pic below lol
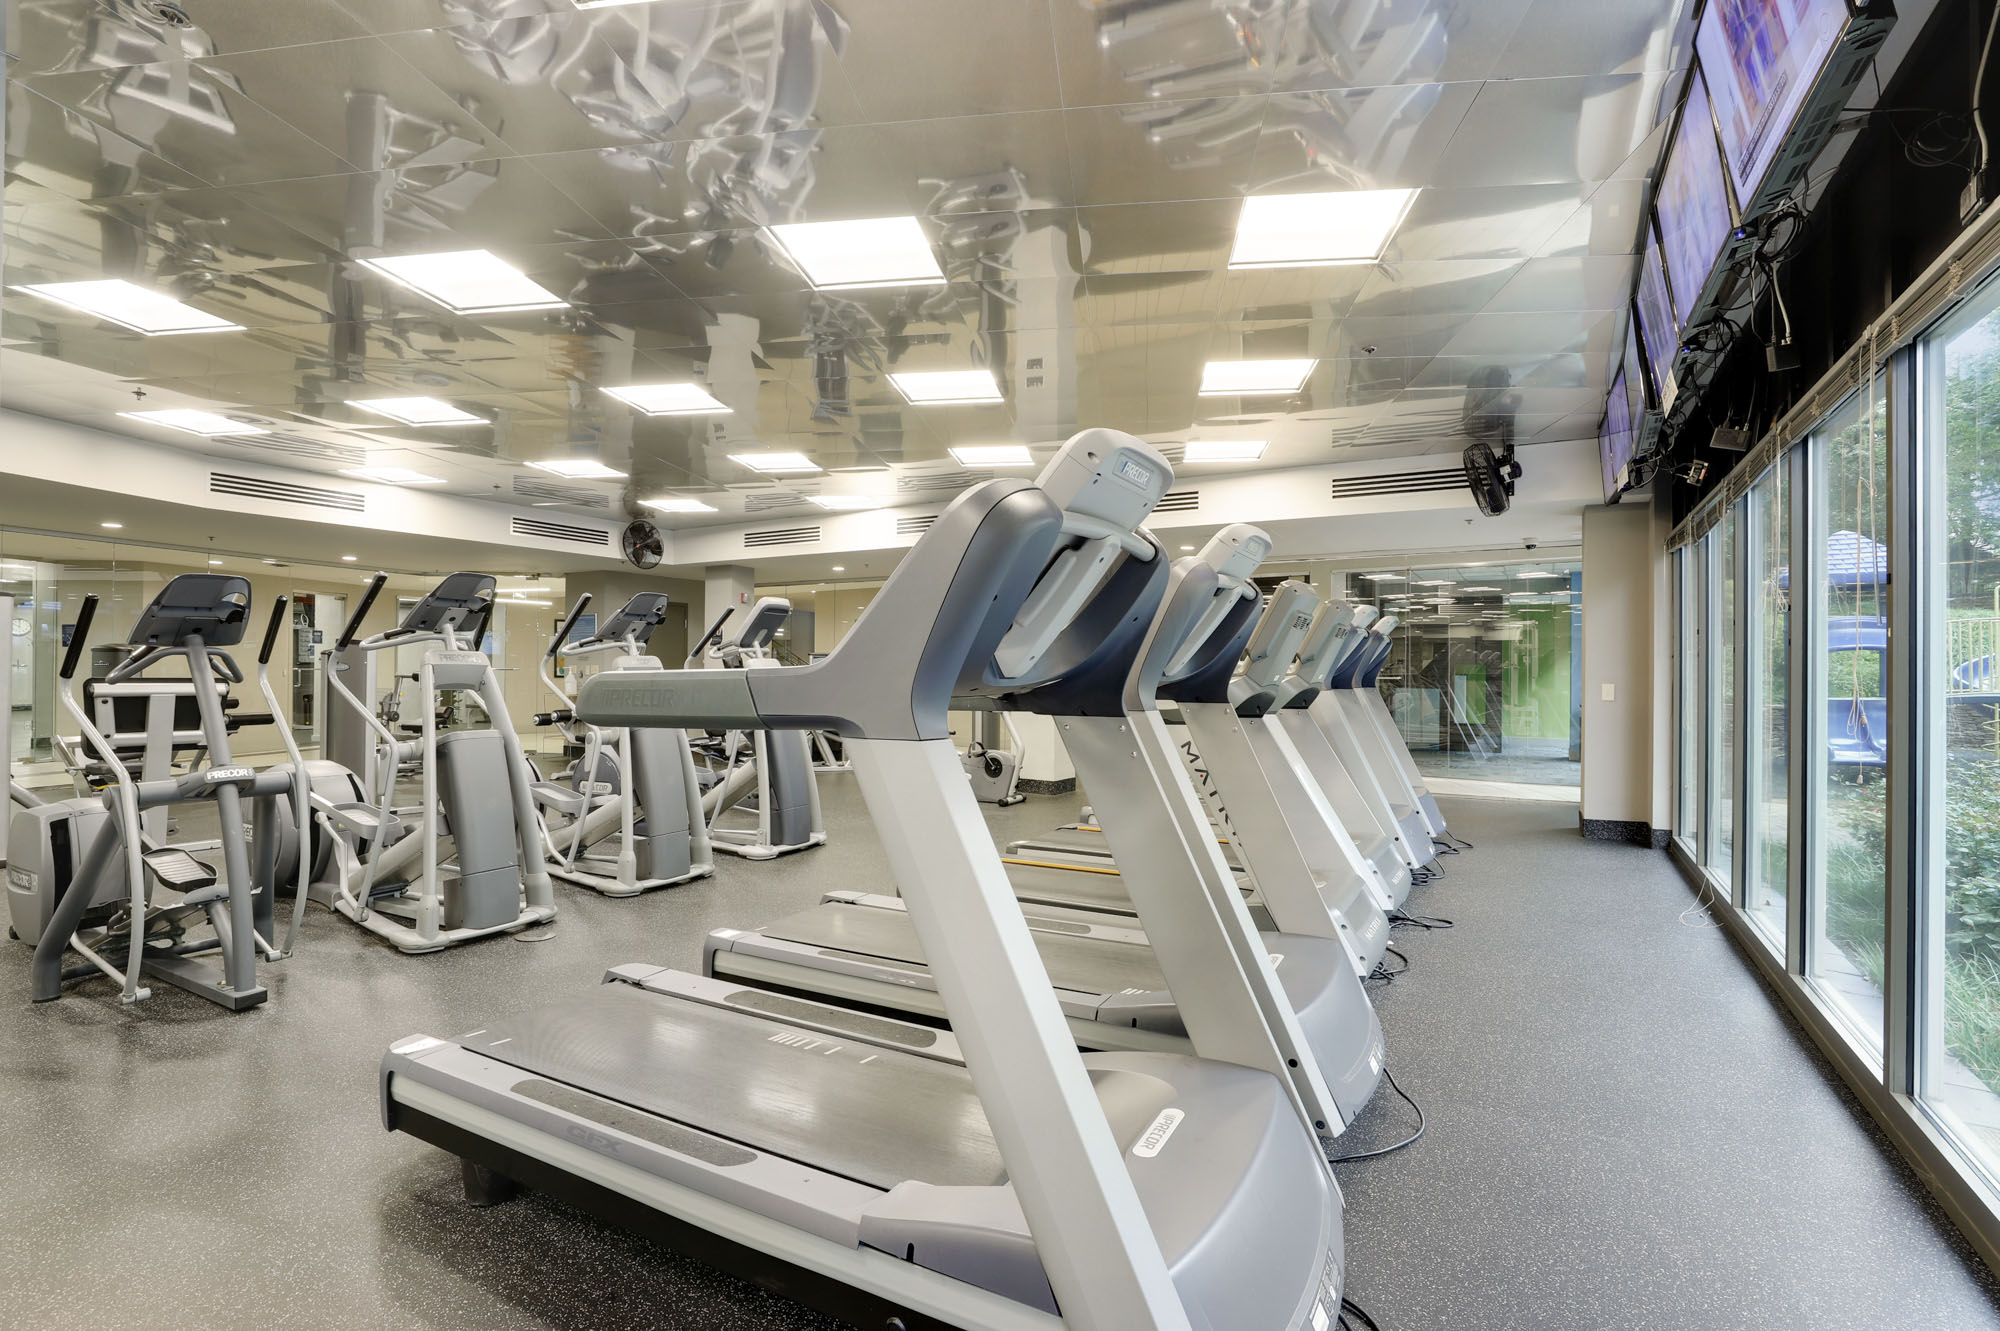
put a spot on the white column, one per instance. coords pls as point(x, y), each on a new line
point(1620, 647)
point(725, 587)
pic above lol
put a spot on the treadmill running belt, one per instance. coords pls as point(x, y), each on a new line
point(768, 1086)
point(1080, 964)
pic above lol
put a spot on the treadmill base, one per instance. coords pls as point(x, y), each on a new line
point(768, 1273)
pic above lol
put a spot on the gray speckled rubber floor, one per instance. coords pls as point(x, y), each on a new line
point(1624, 1131)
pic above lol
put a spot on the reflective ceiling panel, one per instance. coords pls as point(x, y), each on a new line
point(1078, 167)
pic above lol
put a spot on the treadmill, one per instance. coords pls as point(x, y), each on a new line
point(1311, 877)
point(861, 947)
point(1330, 747)
point(1365, 703)
point(990, 1177)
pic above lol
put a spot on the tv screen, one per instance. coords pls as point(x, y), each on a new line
point(1615, 438)
point(1761, 58)
point(1637, 385)
point(1693, 203)
point(1658, 329)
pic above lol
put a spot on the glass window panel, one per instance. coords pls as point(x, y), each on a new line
point(1849, 790)
point(1693, 682)
point(1768, 769)
point(1721, 712)
point(1962, 1074)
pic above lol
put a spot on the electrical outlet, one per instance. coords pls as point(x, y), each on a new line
point(1970, 200)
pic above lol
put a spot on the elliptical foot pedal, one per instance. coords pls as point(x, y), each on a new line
point(179, 870)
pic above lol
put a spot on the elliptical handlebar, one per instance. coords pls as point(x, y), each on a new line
point(271, 630)
point(562, 634)
point(375, 585)
point(78, 632)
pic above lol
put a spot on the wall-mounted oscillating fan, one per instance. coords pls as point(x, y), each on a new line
point(643, 544)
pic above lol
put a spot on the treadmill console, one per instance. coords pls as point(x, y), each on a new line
point(640, 617)
point(460, 598)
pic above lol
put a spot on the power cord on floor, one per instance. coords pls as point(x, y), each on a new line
point(1698, 908)
point(1353, 1317)
point(1459, 842)
point(1425, 922)
point(1389, 1077)
point(1382, 973)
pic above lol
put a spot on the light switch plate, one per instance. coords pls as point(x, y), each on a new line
point(1607, 692)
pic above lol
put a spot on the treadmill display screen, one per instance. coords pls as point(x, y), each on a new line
point(1761, 58)
point(1693, 204)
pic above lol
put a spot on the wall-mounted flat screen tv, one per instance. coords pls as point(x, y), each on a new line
point(1761, 58)
point(1658, 328)
point(1615, 439)
point(1693, 203)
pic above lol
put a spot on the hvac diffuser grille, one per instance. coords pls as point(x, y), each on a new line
point(764, 501)
point(1178, 501)
point(915, 526)
point(755, 540)
point(284, 492)
point(559, 531)
point(546, 493)
point(1399, 483)
point(298, 446)
point(932, 482)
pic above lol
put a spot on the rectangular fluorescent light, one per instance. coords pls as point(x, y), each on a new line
point(1317, 230)
point(993, 455)
point(189, 421)
point(770, 463)
point(923, 387)
point(846, 503)
point(676, 504)
point(1241, 378)
point(669, 399)
point(131, 306)
point(578, 469)
point(871, 252)
point(1469, 590)
point(1224, 450)
point(466, 281)
point(419, 411)
point(394, 476)
point(1384, 577)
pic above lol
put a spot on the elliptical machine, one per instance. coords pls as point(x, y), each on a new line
point(772, 767)
point(390, 876)
point(626, 815)
point(82, 871)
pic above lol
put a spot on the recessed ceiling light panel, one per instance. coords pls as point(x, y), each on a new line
point(419, 411)
point(393, 476)
point(1317, 230)
point(669, 399)
point(1249, 378)
point(774, 463)
point(132, 306)
point(846, 503)
point(870, 252)
point(993, 455)
point(578, 469)
point(677, 504)
point(190, 421)
point(931, 387)
point(1224, 450)
point(466, 281)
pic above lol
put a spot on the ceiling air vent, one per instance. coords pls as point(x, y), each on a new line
point(1399, 483)
point(298, 446)
point(284, 492)
point(1179, 501)
point(559, 531)
point(758, 540)
point(543, 492)
point(763, 501)
point(931, 482)
point(915, 526)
